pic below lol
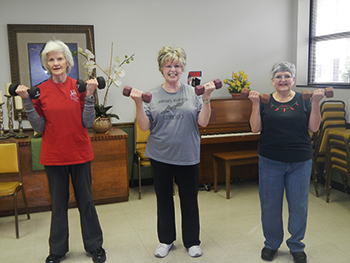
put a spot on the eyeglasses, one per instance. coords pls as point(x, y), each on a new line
point(286, 77)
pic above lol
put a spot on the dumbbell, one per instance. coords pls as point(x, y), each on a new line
point(146, 97)
point(199, 89)
point(81, 85)
point(263, 98)
point(34, 92)
point(329, 93)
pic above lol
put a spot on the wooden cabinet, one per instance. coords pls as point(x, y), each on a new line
point(110, 180)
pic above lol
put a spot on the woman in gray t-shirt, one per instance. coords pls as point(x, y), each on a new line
point(173, 146)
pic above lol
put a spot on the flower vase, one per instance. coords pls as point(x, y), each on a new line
point(101, 125)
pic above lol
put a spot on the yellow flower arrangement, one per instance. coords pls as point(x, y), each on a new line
point(238, 82)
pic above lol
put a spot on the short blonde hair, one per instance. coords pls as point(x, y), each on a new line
point(175, 54)
point(58, 46)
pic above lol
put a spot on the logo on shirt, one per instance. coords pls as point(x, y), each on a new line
point(74, 96)
point(283, 108)
point(172, 105)
point(172, 108)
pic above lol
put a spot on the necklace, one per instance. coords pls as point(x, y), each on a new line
point(277, 96)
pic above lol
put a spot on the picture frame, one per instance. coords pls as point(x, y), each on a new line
point(23, 36)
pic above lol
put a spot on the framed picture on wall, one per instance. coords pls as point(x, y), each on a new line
point(38, 73)
point(26, 42)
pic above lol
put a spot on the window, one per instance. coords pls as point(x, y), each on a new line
point(329, 56)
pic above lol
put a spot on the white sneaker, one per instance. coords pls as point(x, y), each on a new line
point(162, 250)
point(195, 251)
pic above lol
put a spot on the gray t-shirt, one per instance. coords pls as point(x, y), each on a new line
point(174, 137)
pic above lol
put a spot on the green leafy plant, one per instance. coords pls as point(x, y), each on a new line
point(101, 112)
point(238, 82)
point(113, 75)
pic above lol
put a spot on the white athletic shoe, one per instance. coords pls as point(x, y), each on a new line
point(162, 250)
point(195, 251)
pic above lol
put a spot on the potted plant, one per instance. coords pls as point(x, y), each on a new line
point(238, 82)
point(113, 75)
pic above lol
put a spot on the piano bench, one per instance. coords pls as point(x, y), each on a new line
point(232, 159)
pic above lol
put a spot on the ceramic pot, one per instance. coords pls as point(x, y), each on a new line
point(236, 95)
point(102, 125)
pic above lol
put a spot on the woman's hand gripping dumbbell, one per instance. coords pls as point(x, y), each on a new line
point(15, 89)
point(263, 98)
point(146, 97)
point(328, 92)
point(81, 84)
point(199, 89)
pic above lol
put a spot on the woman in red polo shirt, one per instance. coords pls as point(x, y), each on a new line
point(63, 115)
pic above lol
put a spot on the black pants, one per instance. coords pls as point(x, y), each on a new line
point(187, 179)
point(58, 177)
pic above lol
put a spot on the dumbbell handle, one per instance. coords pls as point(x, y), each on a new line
point(329, 93)
point(146, 97)
point(199, 89)
point(34, 92)
point(81, 85)
point(263, 98)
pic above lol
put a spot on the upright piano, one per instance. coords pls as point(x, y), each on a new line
point(228, 130)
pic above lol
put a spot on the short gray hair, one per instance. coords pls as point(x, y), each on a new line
point(58, 46)
point(283, 66)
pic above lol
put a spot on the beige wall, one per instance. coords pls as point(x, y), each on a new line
point(219, 37)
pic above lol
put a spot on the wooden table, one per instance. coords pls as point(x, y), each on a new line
point(110, 177)
point(232, 159)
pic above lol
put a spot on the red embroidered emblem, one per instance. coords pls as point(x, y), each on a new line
point(283, 108)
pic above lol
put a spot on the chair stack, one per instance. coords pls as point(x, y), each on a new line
point(139, 158)
point(333, 119)
point(338, 159)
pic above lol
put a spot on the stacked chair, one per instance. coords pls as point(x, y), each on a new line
point(333, 119)
point(338, 159)
point(139, 158)
point(329, 108)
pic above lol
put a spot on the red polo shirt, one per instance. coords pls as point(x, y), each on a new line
point(65, 140)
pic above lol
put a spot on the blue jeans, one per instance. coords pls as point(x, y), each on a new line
point(274, 177)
